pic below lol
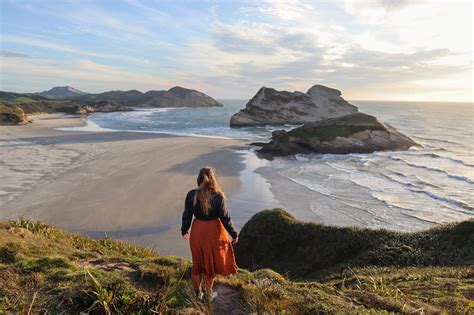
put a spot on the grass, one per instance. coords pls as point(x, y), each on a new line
point(329, 129)
point(12, 114)
point(21, 99)
point(274, 239)
point(44, 269)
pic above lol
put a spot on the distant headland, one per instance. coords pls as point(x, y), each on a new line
point(65, 99)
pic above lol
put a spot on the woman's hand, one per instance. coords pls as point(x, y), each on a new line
point(235, 240)
point(186, 236)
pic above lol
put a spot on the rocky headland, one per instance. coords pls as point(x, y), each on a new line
point(177, 97)
point(68, 100)
point(272, 107)
point(174, 97)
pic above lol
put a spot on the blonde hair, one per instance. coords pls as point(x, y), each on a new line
point(207, 184)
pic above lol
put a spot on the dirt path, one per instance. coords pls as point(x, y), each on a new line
point(228, 301)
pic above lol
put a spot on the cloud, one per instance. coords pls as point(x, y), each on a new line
point(244, 37)
point(83, 74)
point(12, 54)
point(288, 10)
point(231, 49)
point(46, 44)
point(378, 59)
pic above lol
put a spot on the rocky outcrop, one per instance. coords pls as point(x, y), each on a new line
point(355, 133)
point(272, 107)
point(12, 115)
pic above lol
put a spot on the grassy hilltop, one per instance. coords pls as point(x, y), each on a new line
point(310, 250)
point(46, 269)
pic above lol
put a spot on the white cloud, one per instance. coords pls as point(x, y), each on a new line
point(83, 74)
point(46, 44)
point(361, 47)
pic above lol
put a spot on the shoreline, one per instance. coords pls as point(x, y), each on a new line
point(130, 185)
point(125, 171)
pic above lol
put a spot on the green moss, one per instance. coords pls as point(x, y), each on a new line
point(329, 129)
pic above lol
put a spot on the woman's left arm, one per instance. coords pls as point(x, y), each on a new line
point(225, 218)
point(187, 215)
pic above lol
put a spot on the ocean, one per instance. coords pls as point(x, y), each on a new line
point(405, 190)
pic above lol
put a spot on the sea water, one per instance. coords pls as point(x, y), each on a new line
point(403, 190)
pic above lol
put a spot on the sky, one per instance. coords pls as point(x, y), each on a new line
point(369, 49)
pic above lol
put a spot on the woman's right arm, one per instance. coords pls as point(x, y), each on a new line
point(187, 214)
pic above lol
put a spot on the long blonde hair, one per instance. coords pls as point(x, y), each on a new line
point(207, 184)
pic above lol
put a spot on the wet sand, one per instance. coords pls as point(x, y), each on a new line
point(128, 185)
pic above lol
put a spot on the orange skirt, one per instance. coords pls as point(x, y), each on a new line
point(211, 249)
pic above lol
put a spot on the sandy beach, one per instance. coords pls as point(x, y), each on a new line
point(124, 184)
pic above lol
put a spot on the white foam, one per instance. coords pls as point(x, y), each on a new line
point(88, 127)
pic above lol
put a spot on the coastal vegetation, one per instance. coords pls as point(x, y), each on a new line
point(307, 250)
point(322, 270)
point(12, 115)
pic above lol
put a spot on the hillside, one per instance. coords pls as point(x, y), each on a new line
point(174, 97)
point(15, 98)
point(274, 239)
point(66, 99)
point(62, 92)
point(46, 269)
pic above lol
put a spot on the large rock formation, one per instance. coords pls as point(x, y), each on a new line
point(12, 115)
point(272, 107)
point(355, 133)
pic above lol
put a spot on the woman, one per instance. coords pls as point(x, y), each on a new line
point(211, 249)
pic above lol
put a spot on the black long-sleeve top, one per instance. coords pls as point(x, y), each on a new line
point(218, 209)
